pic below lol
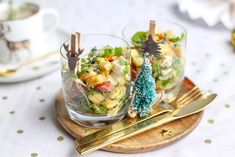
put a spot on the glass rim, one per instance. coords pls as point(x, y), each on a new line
point(160, 20)
point(96, 34)
point(5, 4)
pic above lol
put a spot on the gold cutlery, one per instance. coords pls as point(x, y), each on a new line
point(146, 124)
point(233, 38)
point(191, 95)
point(191, 108)
point(121, 125)
point(10, 71)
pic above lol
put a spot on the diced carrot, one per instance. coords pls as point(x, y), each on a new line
point(138, 69)
point(110, 58)
point(161, 36)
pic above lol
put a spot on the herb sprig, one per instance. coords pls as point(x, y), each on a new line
point(177, 39)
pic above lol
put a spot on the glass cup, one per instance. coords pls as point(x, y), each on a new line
point(97, 94)
point(168, 67)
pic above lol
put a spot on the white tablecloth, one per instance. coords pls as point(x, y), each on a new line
point(28, 125)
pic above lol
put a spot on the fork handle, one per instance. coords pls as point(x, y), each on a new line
point(37, 59)
point(134, 130)
point(122, 125)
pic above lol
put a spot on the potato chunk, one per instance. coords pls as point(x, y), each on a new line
point(87, 74)
point(115, 96)
point(108, 103)
point(166, 50)
point(178, 51)
point(138, 61)
point(94, 80)
point(136, 58)
point(96, 98)
point(134, 53)
point(105, 65)
point(170, 34)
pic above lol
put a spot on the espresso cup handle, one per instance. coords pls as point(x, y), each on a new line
point(50, 19)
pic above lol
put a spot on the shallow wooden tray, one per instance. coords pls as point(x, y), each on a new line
point(153, 139)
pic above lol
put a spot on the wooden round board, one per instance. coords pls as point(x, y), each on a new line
point(153, 139)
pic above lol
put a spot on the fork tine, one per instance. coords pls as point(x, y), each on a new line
point(190, 94)
point(197, 95)
point(76, 142)
point(186, 94)
point(192, 99)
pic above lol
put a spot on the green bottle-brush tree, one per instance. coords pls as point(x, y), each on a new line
point(144, 90)
point(144, 87)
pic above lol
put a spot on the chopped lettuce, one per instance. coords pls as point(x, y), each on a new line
point(138, 38)
point(99, 109)
point(155, 68)
point(166, 83)
point(126, 70)
point(126, 64)
point(177, 39)
point(123, 62)
point(109, 51)
point(84, 68)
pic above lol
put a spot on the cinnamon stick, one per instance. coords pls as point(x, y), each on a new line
point(78, 35)
point(152, 26)
point(73, 45)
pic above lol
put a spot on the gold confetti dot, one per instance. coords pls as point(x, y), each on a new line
point(222, 65)
point(42, 118)
point(207, 55)
point(227, 106)
point(41, 100)
point(12, 112)
point(208, 141)
point(60, 138)
point(198, 71)
point(226, 73)
point(4, 98)
point(53, 62)
point(210, 121)
point(34, 155)
point(215, 80)
point(194, 63)
point(36, 67)
point(38, 88)
point(20, 131)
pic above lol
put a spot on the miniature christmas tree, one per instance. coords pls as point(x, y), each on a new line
point(144, 90)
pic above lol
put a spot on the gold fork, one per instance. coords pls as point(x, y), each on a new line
point(10, 71)
point(189, 96)
point(186, 98)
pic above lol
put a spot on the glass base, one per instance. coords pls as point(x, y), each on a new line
point(94, 122)
point(171, 94)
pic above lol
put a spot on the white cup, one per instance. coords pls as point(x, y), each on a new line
point(22, 36)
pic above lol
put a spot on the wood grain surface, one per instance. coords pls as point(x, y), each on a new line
point(153, 139)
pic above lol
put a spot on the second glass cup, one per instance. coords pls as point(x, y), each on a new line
point(168, 67)
point(97, 94)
